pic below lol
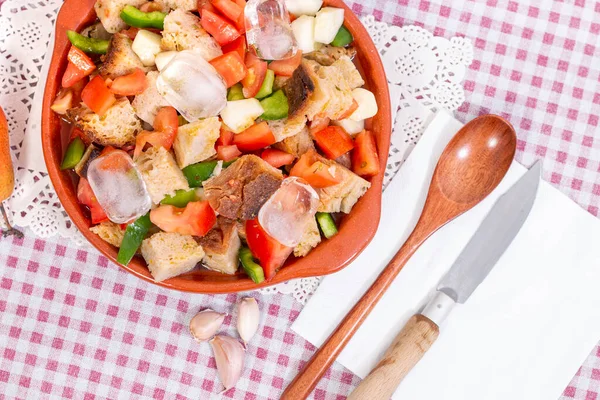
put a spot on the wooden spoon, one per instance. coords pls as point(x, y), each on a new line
point(7, 179)
point(471, 166)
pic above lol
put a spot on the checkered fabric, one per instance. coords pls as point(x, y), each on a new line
point(73, 325)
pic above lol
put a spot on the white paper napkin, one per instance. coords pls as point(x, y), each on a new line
point(524, 332)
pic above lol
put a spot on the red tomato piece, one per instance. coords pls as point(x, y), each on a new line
point(314, 171)
point(86, 196)
point(228, 153)
point(79, 66)
point(286, 67)
point(365, 159)
point(277, 158)
point(241, 3)
point(72, 75)
point(257, 70)
point(97, 97)
point(318, 124)
point(196, 219)
point(238, 45)
point(167, 121)
point(349, 111)
point(226, 137)
point(205, 5)
point(269, 252)
point(154, 138)
point(131, 33)
point(254, 138)
point(231, 67)
point(334, 141)
point(228, 8)
point(130, 85)
point(219, 28)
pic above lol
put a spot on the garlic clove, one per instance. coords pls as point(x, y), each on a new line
point(248, 318)
point(206, 324)
point(229, 355)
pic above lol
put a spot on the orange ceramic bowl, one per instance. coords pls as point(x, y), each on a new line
point(356, 229)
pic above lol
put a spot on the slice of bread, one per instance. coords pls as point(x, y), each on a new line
point(310, 239)
point(195, 142)
point(171, 254)
point(109, 232)
point(147, 104)
point(285, 128)
point(185, 5)
point(182, 31)
point(109, 13)
point(349, 71)
point(118, 127)
point(120, 59)
point(161, 173)
point(222, 245)
point(298, 144)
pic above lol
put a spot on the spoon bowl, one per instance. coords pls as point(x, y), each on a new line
point(470, 168)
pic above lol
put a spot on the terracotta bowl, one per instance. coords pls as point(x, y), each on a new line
point(356, 230)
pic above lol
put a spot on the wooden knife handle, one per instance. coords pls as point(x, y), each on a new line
point(406, 351)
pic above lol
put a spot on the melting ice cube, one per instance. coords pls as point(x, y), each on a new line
point(119, 187)
point(268, 30)
point(288, 211)
point(193, 86)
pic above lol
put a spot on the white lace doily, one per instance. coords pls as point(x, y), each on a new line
point(424, 72)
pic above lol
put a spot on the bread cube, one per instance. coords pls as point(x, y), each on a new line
point(185, 5)
point(195, 142)
point(109, 232)
point(118, 127)
point(182, 31)
point(310, 239)
point(221, 246)
point(285, 128)
point(298, 144)
point(109, 13)
point(171, 254)
point(161, 173)
point(120, 59)
point(148, 103)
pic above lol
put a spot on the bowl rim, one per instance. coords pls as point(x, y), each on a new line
point(356, 231)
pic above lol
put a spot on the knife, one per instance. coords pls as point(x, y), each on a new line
point(472, 266)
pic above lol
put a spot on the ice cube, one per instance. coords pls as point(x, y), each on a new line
point(288, 211)
point(119, 187)
point(193, 86)
point(268, 30)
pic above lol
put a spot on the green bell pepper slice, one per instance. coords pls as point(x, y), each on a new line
point(254, 270)
point(74, 154)
point(275, 106)
point(343, 38)
point(267, 86)
point(88, 45)
point(134, 236)
point(327, 225)
point(181, 198)
point(139, 19)
point(236, 92)
point(198, 173)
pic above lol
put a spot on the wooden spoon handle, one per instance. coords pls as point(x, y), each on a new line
point(406, 351)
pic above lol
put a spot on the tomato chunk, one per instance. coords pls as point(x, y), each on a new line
point(277, 158)
point(238, 45)
point(228, 8)
point(254, 138)
point(257, 70)
point(167, 121)
point(316, 172)
point(286, 67)
point(166, 124)
point(86, 196)
point(270, 253)
point(226, 137)
point(205, 5)
point(196, 219)
point(79, 66)
point(219, 28)
point(130, 85)
point(231, 67)
point(334, 141)
point(365, 159)
point(97, 96)
point(318, 124)
point(228, 153)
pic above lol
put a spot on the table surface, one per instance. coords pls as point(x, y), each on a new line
point(74, 325)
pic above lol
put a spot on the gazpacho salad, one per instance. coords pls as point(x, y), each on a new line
point(224, 133)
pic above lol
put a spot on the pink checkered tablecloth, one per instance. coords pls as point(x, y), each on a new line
point(74, 325)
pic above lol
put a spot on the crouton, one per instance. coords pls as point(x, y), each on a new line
point(343, 196)
point(161, 173)
point(195, 141)
point(182, 31)
point(109, 13)
point(171, 254)
point(349, 72)
point(298, 144)
point(285, 128)
point(279, 82)
point(110, 232)
point(221, 247)
point(328, 54)
point(147, 104)
point(118, 127)
point(120, 59)
point(310, 239)
point(185, 5)
point(242, 189)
